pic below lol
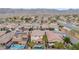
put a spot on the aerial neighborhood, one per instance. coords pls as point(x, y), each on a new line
point(36, 31)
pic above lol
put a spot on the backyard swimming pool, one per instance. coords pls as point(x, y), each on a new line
point(39, 46)
point(17, 46)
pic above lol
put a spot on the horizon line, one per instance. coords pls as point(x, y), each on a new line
point(42, 8)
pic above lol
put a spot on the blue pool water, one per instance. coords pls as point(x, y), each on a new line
point(38, 46)
point(17, 46)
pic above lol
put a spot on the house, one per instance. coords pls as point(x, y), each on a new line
point(6, 38)
point(66, 30)
point(75, 33)
point(53, 37)
point(37, 35)
point(45, 26)
point(2, 33)
point(20, 38)
point(54, 26)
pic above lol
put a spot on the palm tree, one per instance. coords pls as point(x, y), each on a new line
point(45, 39)
point(31, 44)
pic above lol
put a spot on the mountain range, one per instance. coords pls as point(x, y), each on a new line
point(38, 11)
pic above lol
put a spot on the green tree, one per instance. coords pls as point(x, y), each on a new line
point(22, 18)
point(67, 40)
point(31, 44)
point(69, 46)
point(58, 45)
point(76, 46)
point(73, 47)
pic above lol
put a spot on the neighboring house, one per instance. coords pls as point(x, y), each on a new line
point(53, 37)
point(65, 30)
point(75, 33)
point(54, 26)
point(6, 38)
point(2, 33)
point(20, 38)
point(37, 35)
